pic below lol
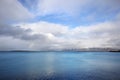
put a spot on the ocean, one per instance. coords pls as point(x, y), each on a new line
point(60, 65)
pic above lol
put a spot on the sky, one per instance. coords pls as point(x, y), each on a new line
point(59, 24)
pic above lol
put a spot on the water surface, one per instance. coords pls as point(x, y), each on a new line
point(59, 66)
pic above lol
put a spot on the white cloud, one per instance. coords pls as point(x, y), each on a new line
point(75, 7)
point(58, 6)
point(46, 27)
point(12, 10)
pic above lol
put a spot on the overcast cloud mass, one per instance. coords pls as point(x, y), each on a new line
point(59, 24)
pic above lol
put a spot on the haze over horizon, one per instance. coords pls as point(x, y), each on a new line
point(59, 24)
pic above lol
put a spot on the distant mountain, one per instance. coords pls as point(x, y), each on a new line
point(95, 49)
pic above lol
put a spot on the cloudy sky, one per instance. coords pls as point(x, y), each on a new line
point(59, 24)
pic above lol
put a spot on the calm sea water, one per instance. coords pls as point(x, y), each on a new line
point(59, 66)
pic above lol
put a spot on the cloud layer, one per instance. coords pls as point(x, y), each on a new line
point(59, 37)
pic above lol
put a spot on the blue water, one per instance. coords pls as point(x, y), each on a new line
point(59, 66)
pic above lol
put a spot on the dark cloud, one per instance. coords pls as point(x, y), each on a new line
point(18, 32)
point(9, 43)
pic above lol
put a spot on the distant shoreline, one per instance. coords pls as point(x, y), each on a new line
point(57, 51)
point(69, 50)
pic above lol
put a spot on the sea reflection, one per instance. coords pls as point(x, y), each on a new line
point(40, 65)
point(49, 61)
